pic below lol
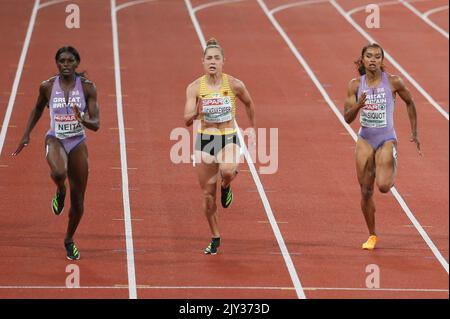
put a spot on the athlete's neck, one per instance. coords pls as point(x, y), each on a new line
point(214, 80)
point(372, 77)
point(67, 79)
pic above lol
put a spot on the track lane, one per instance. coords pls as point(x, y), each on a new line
point(433, 167)
point(31, 237)
point(170, 231)
point(322, 235)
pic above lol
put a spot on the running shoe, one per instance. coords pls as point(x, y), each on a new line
point(58, 202)
point(72, 251)
point(370, 243)
point(226, 196)
point(212, 247)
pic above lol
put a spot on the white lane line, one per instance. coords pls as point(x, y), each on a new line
point(194, 20)
point(381, 4)
point(435, 10)
point(131, 3)
point(420, 229)
point(307, 69)
point(392, 60)
point(287, 258)
point(23, 55)
point(232, 288)
point(379, 289)
point(214, 3)
point(333, 107)
point(50, 3)
point(295, 4)
point(308, 2)
point(424, 18)
point(123, 158)
point(266, 222)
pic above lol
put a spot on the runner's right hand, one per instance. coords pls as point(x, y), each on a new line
point(24, 142)
point(415, 139)
point(362, 100)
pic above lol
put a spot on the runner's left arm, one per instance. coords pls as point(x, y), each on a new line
point(405, 94)
point(242, 93)
point(91, 119)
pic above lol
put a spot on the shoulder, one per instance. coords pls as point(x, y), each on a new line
point(88, 86)
point(47, 85)
point(354, 84)
point(87, 83)
point(396, 81)
point(196, 82)
point(194, 86)
point(236, 84)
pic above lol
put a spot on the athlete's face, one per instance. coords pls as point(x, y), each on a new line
point(66, 64)
point(213, 61)
point(373, 59)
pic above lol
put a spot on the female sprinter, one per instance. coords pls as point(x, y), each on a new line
point(72, 100)
point(211, 99)
point(373, 96)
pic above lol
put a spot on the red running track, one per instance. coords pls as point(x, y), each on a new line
point(314, 194)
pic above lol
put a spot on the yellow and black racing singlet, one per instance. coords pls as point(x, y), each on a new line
point(217, 106)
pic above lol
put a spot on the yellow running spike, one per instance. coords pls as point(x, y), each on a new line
point(370, 243)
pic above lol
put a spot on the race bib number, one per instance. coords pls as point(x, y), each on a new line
point(373, 114)
point(67, 126)
point(217, 110)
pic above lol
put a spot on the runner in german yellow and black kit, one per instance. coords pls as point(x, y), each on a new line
point(211, 99)
point(217, 107)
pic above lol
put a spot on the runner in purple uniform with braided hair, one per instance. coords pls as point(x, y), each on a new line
point(72, 100)
point(372, 95)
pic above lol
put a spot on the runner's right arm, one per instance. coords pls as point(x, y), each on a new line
point(352, 106)
point(191, 109)
point(35, 115)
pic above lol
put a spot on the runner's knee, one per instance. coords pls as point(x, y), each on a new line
point(77, 200)
point(76, 210)
point(227, 173)
point(59, 174)
point(384, 187)
point(366, 192)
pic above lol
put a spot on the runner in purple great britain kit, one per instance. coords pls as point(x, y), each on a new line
point(72, 100)
point(372, 95)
